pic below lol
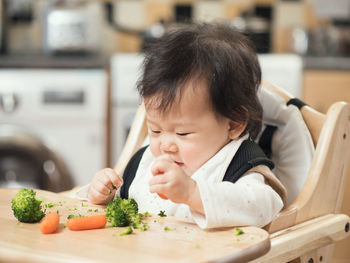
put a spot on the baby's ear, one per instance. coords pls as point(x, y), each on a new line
point(236, 129)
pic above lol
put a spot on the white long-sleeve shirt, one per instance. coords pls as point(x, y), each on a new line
point(249, 201)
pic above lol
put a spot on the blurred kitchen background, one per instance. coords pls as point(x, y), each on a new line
point(68, 70)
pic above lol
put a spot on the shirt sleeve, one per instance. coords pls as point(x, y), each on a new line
point(82, 193)
point(249, 201)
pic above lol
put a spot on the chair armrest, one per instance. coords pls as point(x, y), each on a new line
point(300, 239)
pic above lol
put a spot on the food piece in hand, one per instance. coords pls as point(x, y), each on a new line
point(50, 223)
point(162, 196)
point(87, 222)
point(26, 208)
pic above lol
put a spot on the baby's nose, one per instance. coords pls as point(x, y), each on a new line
point(168, 147)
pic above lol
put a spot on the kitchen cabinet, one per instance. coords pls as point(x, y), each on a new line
point(321, 88)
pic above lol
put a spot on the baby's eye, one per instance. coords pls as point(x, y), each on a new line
point(182, 133)
point(155, 131)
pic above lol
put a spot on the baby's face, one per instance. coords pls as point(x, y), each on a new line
point(190, 132)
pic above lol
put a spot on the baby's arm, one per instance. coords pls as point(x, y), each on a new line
point(249, 201)
point(101, 189)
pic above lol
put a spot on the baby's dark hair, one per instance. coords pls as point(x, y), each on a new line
point(217, 53)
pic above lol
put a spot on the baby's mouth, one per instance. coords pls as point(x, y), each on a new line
point(179, 163)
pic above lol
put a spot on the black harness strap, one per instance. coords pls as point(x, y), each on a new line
point(130, 172)
point(248, 156)
point(265, 140)
point(296, 102)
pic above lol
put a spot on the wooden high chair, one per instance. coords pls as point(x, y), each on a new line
point(306, 230)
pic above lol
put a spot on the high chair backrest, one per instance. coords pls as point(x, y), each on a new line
point(322, 191)
point(134, 141)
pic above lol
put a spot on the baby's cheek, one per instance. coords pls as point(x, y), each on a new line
point(193, 160)
point(155, 150)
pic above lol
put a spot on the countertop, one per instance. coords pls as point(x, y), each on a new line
point(45, 61)
point(326, 63)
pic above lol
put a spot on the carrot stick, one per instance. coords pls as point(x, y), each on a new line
point(87, 222)
point(162, 196)
point(50, 223)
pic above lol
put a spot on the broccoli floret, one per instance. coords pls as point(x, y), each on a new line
point(136, 218)
point(127, 231)
point(238, 231)
point(140, 226)
point(146, 214)
point(129, 206)
point(166, 228)
point(124, 212)
point(26, 208)
point(162, 213)
point(121, 212)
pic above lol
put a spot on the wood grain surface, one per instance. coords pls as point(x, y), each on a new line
point(23, 242)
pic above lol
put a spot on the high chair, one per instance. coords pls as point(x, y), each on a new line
point(306, 230)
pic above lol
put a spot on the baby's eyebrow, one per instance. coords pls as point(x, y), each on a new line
point(176, 122)
point(152, 120)
point(182, 123)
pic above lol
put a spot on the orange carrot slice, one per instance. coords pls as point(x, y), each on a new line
point(50, 223)
point(162, 196)
point(87, 222)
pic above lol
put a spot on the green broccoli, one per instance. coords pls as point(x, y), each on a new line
point(122, 212)
point(162, 213)
point(127, 231)
point(26, 208)
point(166, 228)
point(142, 226)
point(146, 214)
point(238, 231)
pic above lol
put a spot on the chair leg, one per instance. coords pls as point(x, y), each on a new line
point(321, 255)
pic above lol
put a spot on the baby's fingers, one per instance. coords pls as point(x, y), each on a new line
point(115, 179)
point(159, 179)
point(101, 187)
point(160, 166)
point(158, 188)
point(97, 197)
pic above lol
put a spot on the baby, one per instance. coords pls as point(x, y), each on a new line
point(199, 87)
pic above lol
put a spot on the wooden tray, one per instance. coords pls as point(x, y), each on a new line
point(23, 242)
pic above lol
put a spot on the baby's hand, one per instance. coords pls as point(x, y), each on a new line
point(103, 186)
point(170, 180)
